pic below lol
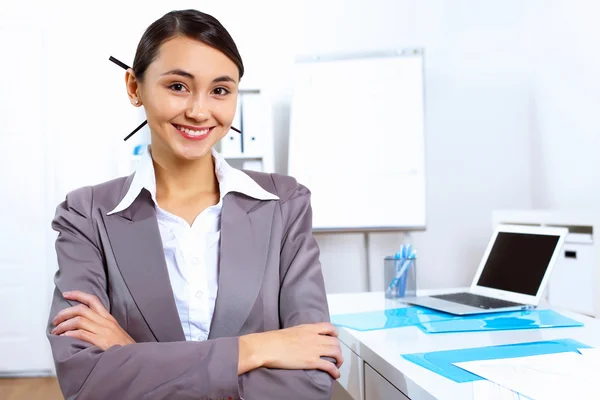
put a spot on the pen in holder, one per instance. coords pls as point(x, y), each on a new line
point(400, 274)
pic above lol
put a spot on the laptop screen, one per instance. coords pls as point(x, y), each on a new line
point(518, 262)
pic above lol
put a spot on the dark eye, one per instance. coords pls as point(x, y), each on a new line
point(178, 87)
point(221, 91)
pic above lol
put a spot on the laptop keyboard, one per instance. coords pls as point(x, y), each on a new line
point(474, 300)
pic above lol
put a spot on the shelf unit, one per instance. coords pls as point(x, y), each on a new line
point(252, 149)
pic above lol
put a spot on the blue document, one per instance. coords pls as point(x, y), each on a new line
point(534, 319)
point(387, 319)
point(431, 321)
point(441, 362)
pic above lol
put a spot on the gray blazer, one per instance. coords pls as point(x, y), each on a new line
point(269, 278)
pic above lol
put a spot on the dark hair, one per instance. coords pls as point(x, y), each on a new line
point(189, 23)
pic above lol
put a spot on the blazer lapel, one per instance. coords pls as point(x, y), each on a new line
point(137, 246)
point(245, 238)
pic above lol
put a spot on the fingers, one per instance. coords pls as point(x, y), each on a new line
point(88, 337)
point(80, 310)
point(325, 328)
point(329, 341)
point(333, 351)
point(88, 299)
point(82, 335)
point(328, 367)
point(75, 324)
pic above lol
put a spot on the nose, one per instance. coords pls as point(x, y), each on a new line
point(198, 109)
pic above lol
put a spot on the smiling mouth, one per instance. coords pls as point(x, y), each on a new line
point(196, 133)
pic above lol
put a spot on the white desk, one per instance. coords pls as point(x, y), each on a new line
point(375, 370)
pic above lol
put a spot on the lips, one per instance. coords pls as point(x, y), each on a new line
point(193, 133)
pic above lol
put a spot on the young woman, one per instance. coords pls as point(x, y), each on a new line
point(190, 279)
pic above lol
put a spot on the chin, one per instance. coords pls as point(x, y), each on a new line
point(192, 153)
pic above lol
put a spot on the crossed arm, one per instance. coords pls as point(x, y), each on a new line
point(96, 358)
point(298, 347)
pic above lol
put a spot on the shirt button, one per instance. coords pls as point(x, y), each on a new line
point(195, 260)
point(198, 294)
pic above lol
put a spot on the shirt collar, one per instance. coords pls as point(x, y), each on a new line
point(230, 180)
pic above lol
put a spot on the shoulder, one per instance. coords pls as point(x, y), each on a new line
point(105, 195)
point(283, 186)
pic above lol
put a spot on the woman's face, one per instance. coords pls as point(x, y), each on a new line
point(189, 94)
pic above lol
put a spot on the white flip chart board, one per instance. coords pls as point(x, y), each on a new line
point(357, 140)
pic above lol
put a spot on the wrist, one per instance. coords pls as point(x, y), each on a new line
point(250, 354)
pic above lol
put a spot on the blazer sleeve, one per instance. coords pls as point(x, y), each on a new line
point(176, 370)
point(302, 300)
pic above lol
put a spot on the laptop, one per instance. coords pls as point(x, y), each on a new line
point(512, 274)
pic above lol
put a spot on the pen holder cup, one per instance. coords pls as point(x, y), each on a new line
point(400, 276)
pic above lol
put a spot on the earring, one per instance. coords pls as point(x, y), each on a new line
point(137, 102)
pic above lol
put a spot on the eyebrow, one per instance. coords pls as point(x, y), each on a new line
point(224, 78)
point(185, 74)
point(179, 72)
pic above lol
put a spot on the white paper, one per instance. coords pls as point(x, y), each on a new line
point(591, 355)
point(486, 390)
point(362, 154)
point(553, 376)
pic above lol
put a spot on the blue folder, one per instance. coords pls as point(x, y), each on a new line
point(534, 319)
point(387, 319)
point(431, 321)
point(441, 362)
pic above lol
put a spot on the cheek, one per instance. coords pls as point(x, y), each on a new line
point(161, 108)
point(224, 111)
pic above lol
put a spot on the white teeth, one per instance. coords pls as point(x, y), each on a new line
point(191, 132)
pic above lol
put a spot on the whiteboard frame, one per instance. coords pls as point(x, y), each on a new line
point(402, 52)
point(406, 52)
point(372, 229)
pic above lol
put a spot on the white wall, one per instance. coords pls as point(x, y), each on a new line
point(566, 118)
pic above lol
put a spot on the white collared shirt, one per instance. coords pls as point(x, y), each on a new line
point(192, 252)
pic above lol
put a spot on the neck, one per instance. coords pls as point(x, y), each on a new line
point(181, 179)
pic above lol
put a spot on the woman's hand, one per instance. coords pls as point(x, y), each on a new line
point(89, 322)
point(298, 347)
